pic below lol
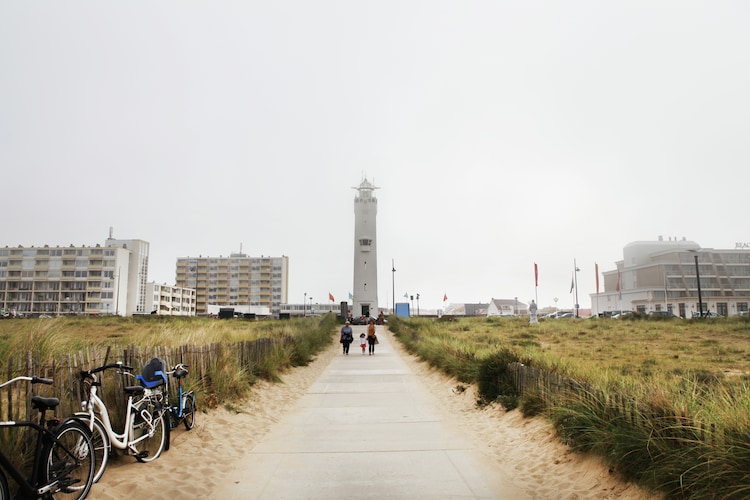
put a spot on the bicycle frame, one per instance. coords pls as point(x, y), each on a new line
point(30, 487)
point(95, 408)
point(178, 411)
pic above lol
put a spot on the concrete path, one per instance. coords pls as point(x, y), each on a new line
point(367, 428)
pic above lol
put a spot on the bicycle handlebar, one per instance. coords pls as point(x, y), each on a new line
point(33, 380)
point(178, 366)
point(118, 365)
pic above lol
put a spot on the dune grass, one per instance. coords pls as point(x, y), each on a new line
point(686, 433)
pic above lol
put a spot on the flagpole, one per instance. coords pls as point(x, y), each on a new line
point(596, 269)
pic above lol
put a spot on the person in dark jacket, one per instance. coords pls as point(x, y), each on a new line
point(346, 337)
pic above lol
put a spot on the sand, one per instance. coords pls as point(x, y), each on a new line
point(525, 449)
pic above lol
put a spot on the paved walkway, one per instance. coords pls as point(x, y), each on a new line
point(366, 428)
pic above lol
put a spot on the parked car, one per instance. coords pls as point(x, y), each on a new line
point(362, 320)
point(663, 314)
point(623, 315)
point(707, 314)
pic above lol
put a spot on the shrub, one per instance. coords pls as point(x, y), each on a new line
point(494, 380)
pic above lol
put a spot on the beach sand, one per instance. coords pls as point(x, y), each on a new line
point(525, 449)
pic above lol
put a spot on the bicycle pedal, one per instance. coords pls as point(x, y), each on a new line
point(65, 484)
point(142, 455)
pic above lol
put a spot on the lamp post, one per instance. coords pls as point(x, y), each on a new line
point(575, 276)
point(393, 284)
point(698, 279)
point(515, 308)
point(304, 306)
point(417, 304)
point(311, 307)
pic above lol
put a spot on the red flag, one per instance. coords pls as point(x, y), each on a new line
point(330, 297)
point(536, 275)
point(596, 266)
point(445, 297)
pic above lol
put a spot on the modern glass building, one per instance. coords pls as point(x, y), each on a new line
point(677, 276)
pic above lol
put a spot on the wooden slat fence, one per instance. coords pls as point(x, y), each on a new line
point(15, 400)
point(554, 389)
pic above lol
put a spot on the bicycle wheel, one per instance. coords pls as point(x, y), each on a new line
point(70, 460)
point(4, 491)
point(152, 437)
point(188, 413)
point(102, 445)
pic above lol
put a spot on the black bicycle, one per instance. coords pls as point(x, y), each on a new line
point(64, 460)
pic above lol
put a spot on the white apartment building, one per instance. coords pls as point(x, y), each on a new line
point(66, 280)
point(237, 280)
point(666, 275)
point(166, 300)
point(137, 273)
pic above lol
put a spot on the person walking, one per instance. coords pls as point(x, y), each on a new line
point(372, 339)
point(346, 337)
point(363, 342)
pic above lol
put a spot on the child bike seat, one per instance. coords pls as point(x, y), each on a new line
point(153, 374)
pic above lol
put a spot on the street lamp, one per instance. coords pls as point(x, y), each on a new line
point(304, 306)
point(515, 309)
point(417, 304)
point(393, 284)
point(698, 279)
point(575, 275)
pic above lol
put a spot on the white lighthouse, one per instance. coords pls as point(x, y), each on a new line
point(365, 295)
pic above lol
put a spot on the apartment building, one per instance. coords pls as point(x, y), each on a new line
point(137, 272)
point(677, 276)
point(66, 280)
point(236, 280)
point(168, 300)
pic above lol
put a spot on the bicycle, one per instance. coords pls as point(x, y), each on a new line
point(64, 462)
point(144, 433)
point(184, 411)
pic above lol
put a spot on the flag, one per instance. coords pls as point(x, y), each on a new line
point(351, 296)
point(536, 275)
point(596, 269)
point(572, 282)
point(330, 297)
point(445, 297)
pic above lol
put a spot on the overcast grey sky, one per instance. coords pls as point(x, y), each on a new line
point(500, 134)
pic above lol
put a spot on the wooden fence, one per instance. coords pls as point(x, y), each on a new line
point(554, 389)
point(15, 400)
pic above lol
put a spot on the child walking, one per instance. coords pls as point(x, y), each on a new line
point(363, 342)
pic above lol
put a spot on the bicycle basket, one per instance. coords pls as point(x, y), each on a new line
point(153, 374)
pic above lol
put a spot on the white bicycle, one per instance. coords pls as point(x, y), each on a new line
point(145, 432)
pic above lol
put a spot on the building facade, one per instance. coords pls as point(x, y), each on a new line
point(137, 273)
point(66, 280)
point(666, 275)
point(365, 289)
point(166, 300)
point(236, 280)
